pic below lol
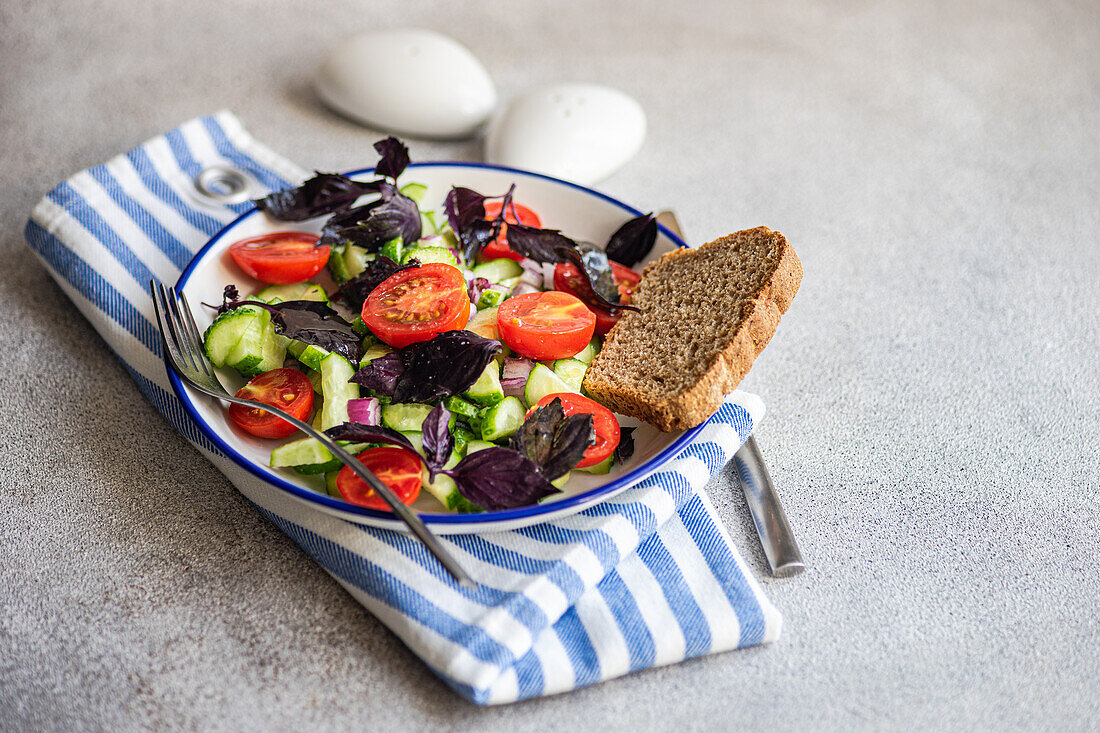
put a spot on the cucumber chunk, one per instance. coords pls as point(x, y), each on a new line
point(490, 299)
point(393, 249)
point(308, 354)
point(499, 270)
point(336, 263)
point(355, 260)
point(296, 291)
point(335, 373)
point(462, 439)
point(415, 191)
point(461, 407)
point(424, 255)
point(373, 352)
point(259, 348)
point(405, 417)
point(600, 468)
point(224, 333)
point(475, 445)
point(330, 485)
point(502, 420)
point(486, 390)
point(588, 353)
point(541, 382)
point(571, 371)
point(484, 324)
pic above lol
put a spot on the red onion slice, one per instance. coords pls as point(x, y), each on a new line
point(366, 410)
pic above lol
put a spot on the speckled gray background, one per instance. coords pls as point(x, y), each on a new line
point(933, 394)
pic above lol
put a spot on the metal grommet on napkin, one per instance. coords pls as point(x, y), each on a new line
point(223, 184)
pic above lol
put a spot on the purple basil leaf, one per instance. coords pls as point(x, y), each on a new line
point(315, 324)
point(463, 206)
point(465, 210)
point(571, 440)
point(380, 374)
point(331, 231)
point(372, 225)
point(395, 157)
point(436, 438)
point(443, 366)
point(325, 193)
point(625, 449)
point(552, 441)
point(540, 245)
point(475, 288)
point(475, 236)
point(596, 270)
point(354, 292)
point(535, 436)
point(500, 478)
point(630, 244)
point(356, 432)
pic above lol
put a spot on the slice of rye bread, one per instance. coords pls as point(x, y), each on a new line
point(706, 314)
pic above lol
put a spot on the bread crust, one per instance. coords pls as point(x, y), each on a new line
point(693, 405)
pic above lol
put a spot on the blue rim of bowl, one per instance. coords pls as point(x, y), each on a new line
point(487, 518)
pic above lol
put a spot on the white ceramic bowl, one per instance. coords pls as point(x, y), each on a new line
point(578, 212)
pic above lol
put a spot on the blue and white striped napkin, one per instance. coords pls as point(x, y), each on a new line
point(645, 579)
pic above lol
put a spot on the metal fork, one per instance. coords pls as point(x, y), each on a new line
point(185, 354)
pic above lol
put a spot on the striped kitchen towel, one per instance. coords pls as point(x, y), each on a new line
point(647, 578)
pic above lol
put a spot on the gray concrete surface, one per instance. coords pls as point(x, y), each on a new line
point(933, 393)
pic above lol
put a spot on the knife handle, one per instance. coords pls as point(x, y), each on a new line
point(775, 533)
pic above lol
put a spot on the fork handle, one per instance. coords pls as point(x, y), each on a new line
point(403, 512)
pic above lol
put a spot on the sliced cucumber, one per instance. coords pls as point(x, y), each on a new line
point(415, 191)
point(393, 249)
point(484, 324)
point(405, 417)
point(490, 299)
point(330, 485)
point(462, 439)
point(560, 481)
point(498, 270)
point(355, 259)
point(571, 371)
point(443, 487)
point(224, 333)
point(296, 291)
point(541, 382)
point(502, 420)
point(373, 352)
point(307, 456)
point(424, 255)
point(486, 390)
point(335, 373)
point(303, 452)
point(308, 354)
point(315, 380)
point(600, 468)
point(336, 263)
point(429, 225)
point(461, 408)
point(475, 445)
point(589, 352)
point(259, 348)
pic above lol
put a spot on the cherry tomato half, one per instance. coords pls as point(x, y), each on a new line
point(499, 246)
point(287, 389)
point(568, 279)
point(281, 258)
point(395, 467)
point(418, 303)
point(603, 421)
point(541, 326)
